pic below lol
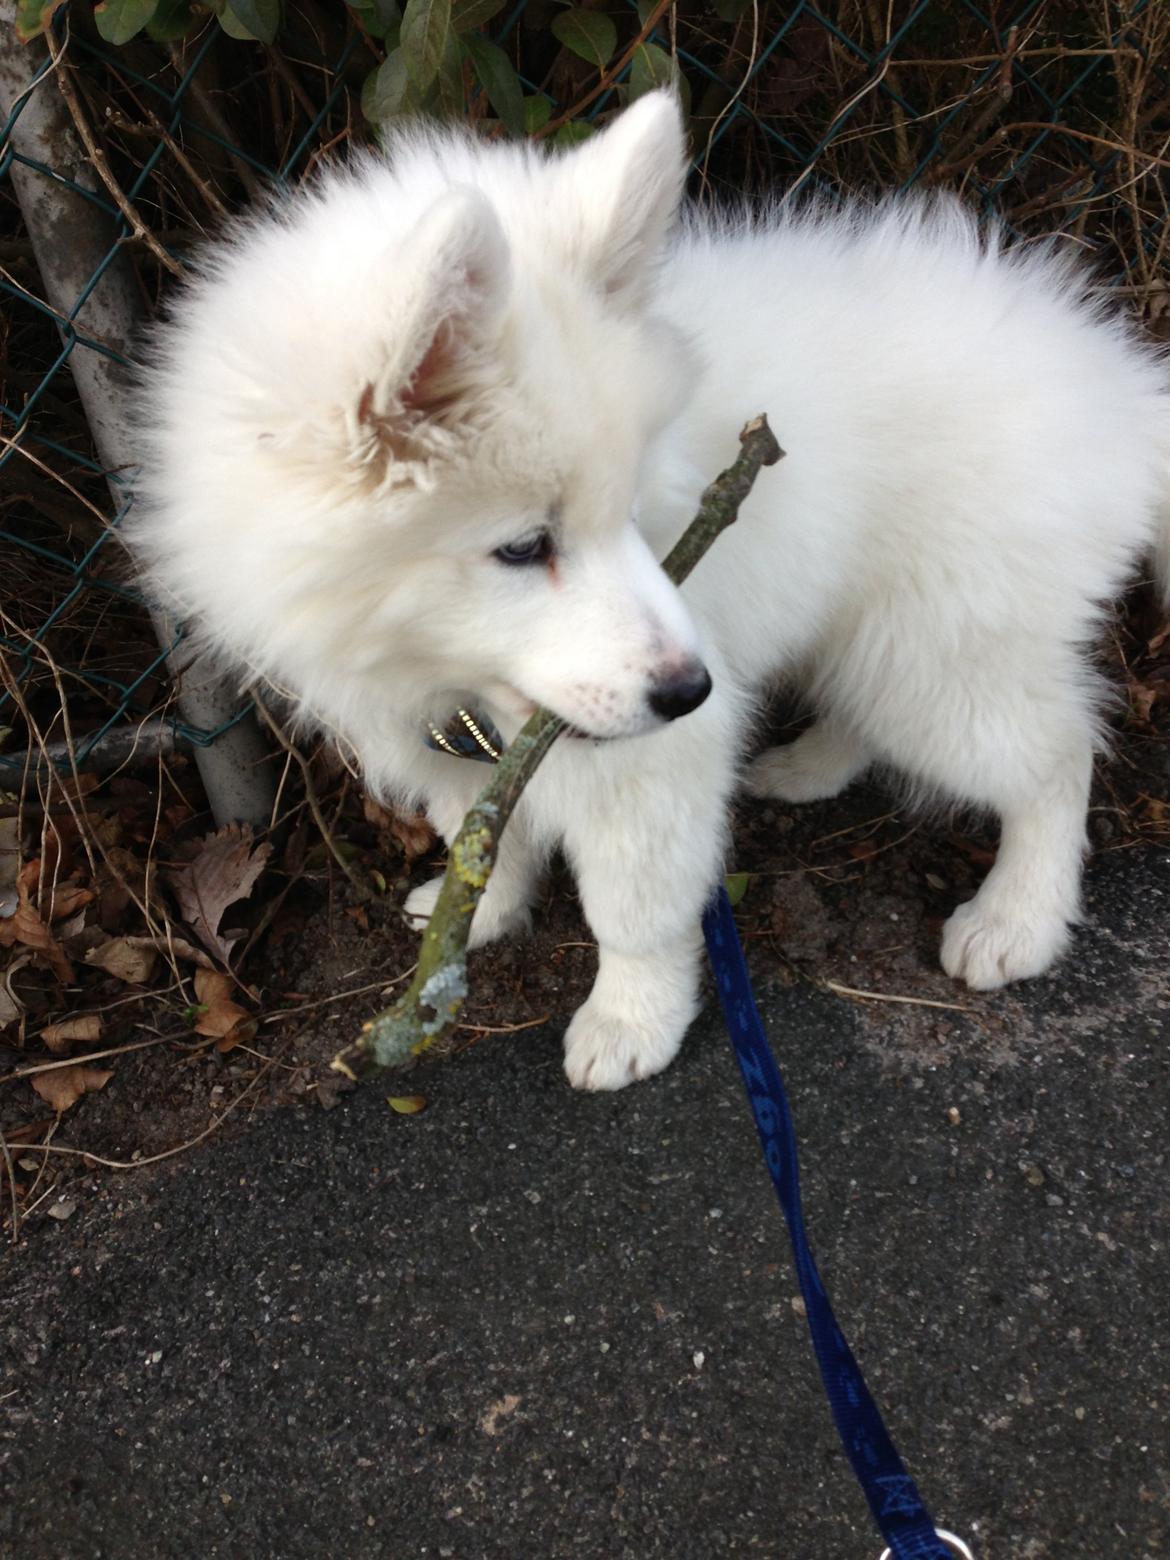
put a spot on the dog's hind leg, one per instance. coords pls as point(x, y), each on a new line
point(1009, 726)
point(1018, 923)
point(820, 763)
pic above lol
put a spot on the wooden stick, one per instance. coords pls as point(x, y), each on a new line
point(430, 1007)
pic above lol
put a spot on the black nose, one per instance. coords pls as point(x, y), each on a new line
point(680, 693)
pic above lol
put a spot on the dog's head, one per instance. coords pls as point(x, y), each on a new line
point(445, 432)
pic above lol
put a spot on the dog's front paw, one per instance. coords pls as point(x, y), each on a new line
point(492, 918)
point(988, 946)
point(605, 1051)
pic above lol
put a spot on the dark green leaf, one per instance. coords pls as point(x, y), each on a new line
point(499, 81)
point(378, 17)
point(254, 19)
point(588, 33)
point(389, 90)
point(120, 20)
point(469, 14)
point(426, 31)
point(33, 16)
point(173, 19)
point(537, 111)
point(569, 135)
point(452, 88)
point(651, 67)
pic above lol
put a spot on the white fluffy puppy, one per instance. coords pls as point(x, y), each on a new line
point(416, 438)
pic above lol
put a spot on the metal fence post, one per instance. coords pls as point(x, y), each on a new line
point(73, 239)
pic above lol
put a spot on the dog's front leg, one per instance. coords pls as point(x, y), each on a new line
point(647, 848)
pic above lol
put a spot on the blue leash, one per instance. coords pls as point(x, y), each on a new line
point(897, 1507)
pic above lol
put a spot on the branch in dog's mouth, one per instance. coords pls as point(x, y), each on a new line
point(430, 1007)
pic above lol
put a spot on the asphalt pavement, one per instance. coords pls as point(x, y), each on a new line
point(532, 1323)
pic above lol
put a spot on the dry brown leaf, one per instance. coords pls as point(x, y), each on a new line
point(87, 1027)
point(27, 927)
point(241, 1033)
point(66, 899)
point(412, 831)
point(178, 947)
point(224, 871)
point(1142, 698)
point(9, 864)
point(63, 1086)
point(124, 959)
point(221, 1017)
point(11, 1007)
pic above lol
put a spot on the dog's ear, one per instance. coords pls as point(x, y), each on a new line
point(447, 286)
point(619, 194)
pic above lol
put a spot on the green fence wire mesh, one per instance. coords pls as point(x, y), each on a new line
point(1055, 116)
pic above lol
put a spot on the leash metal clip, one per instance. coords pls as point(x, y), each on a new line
point(951, 1540)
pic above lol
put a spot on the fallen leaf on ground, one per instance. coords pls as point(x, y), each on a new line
point(412, 831)
point(406, 1104)
point(178, 947)
point(66, 899)
point(221, 1017)
point(9, 864)
point(87, 1027)
point(64, 1086)
point(28, 928)
point(11, 1007)
point(1143, 697)
point(225, 870)
point(123, 958)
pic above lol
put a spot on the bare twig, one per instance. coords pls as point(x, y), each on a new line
point(100, 162)
point(889, 996)
point(610, 74)
point(361, 889)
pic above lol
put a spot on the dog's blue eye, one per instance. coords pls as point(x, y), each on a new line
point(536, 549)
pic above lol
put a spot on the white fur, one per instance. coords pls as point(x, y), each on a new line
point(437, 353)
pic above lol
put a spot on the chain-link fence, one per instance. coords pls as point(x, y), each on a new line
point(1055, 116)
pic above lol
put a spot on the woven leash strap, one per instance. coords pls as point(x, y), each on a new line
point(893, 1497)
